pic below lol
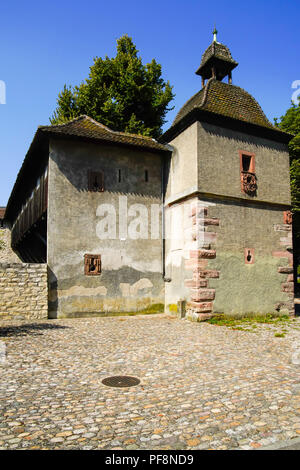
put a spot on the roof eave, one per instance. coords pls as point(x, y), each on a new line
point(42, 137)
point(62, 136)
point(231, 64)
point(36, 142)
point(224, 121)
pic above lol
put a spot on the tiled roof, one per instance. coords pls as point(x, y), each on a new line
point(219, 50)
point(86, 127)
point(82, 127)
point(226, 100)
point(2, 212)
point(217, 55)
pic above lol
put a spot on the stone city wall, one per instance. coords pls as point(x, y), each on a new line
point(23, 291)
point(7, 255)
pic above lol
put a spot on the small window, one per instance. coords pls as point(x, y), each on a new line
point(96, 181)
point(146, 176)
point(92, 265)
point(248, 176)
point(246, 162)
point(249, 255)
point(288, 217)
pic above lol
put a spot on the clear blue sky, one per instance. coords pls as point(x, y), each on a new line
point(44, 45)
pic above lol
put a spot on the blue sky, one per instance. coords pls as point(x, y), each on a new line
point(44, 45)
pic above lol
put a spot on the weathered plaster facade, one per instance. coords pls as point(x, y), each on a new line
point(131, 270)
point(237, 222)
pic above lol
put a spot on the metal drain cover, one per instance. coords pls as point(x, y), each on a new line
point(121, 381)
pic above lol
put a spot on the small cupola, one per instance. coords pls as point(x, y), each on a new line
point(216, 62)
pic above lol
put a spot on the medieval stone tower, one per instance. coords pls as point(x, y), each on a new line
point(228, 195)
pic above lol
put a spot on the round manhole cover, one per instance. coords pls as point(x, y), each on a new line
point(121, 381)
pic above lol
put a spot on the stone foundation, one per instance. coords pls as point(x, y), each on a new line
point(23, 291)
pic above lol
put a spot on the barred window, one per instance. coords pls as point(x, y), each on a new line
point(92, 265)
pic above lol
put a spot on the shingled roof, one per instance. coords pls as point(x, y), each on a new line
point(216, 51)
point(88, 128)
point(222, 100)
point(83, 128)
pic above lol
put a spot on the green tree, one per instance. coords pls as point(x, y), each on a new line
point(121, 93)
point(290, 122)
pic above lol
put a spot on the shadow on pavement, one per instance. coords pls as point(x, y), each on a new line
point(28, 329)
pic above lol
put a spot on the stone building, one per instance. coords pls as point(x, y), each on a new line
point(126, 223)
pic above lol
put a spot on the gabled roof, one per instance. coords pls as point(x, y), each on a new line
point(83, 128)
point(88, 128)
point(219, 101)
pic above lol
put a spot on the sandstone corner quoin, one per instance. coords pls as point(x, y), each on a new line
point(229, 252)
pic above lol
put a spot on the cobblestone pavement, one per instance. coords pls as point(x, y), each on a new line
point(202, 386)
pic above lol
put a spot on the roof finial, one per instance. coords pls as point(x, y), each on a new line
point(215, 32)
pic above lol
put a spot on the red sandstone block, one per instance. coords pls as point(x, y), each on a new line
point(288, 287)
point(284, 254)
point(201, 221)
point(195, 284)
point(290, 278)
point(285, 269)
point(202, 269)
point(212, 221)
point(202, 253)
point(198, 221)
point(198, 275)
point(212, 273)
point(206, 237)
point(195, 210)
point(197, 295)
point(200, 307)
point(282, 228)
point(195, 263)
point(204, 316)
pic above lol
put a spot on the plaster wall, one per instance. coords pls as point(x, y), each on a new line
point(219, 164)
point(131, 277)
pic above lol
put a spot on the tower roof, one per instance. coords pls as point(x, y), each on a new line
point(217, 55)
point(227, 100)
point(223, 104)
point(227, 105)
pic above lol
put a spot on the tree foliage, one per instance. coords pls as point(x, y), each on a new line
point(290, 122)
point(120, 92)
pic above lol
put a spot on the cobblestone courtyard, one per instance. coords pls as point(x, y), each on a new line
point(202, 386)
